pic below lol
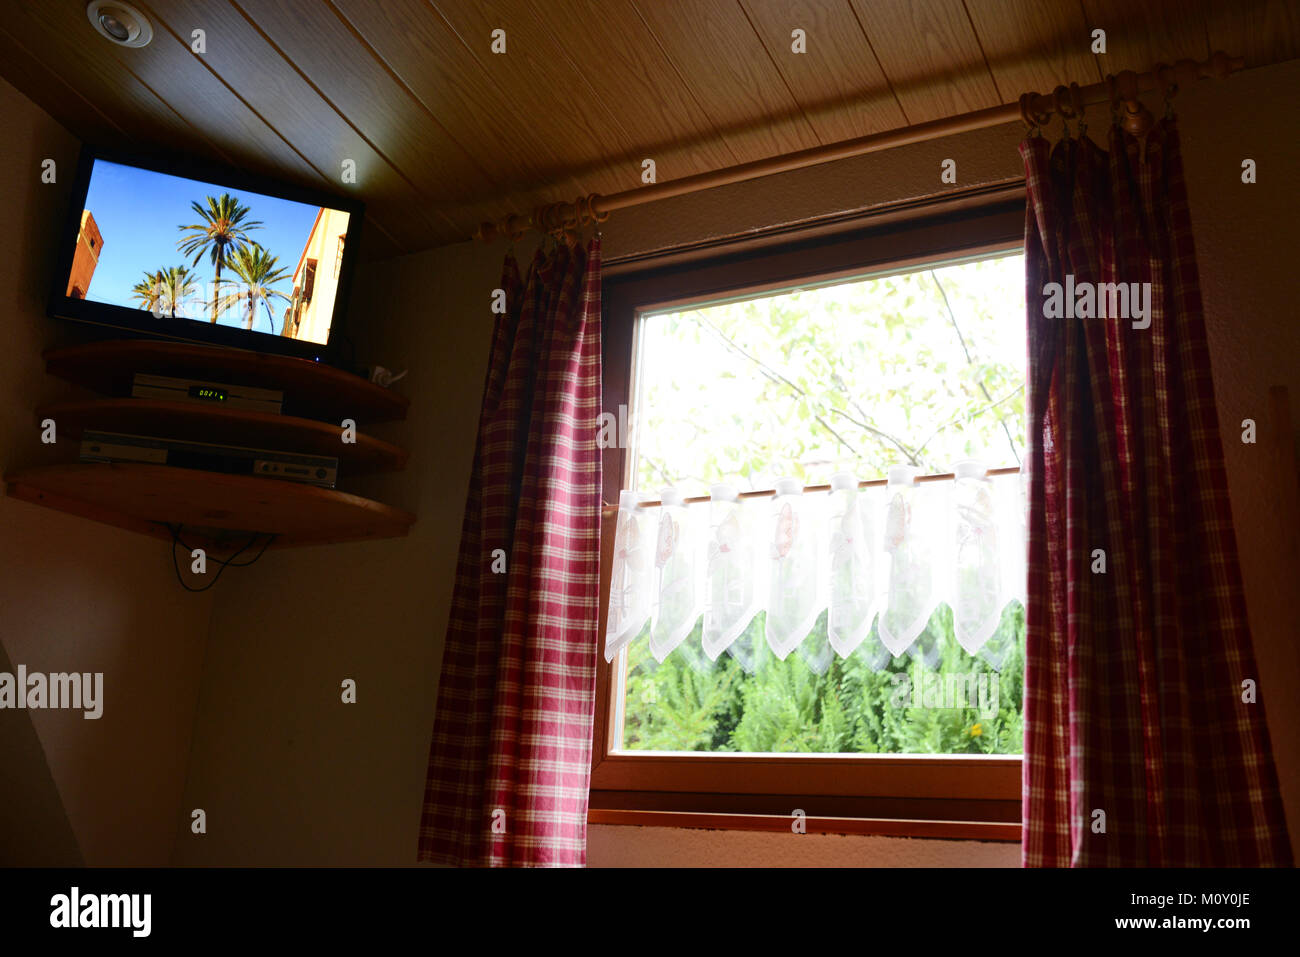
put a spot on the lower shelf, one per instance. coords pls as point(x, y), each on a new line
point(146, 498)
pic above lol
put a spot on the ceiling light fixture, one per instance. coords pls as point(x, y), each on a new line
point(119, 22)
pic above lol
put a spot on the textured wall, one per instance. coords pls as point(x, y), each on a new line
point(74, 595)
point(287, 773)
point(1246, 249)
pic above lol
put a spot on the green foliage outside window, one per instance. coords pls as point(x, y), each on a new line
point(785, 706)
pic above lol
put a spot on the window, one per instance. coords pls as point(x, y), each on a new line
point(338, 257)
point(308, 279)
point(899, 343)
point(924, 367)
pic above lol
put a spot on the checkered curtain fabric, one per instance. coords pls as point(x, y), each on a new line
point(1133, 688)
point(510, 761)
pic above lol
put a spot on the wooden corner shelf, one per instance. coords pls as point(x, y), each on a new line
point(312, 390)
point(196, 422)
point(217, 509)
point(212, 506)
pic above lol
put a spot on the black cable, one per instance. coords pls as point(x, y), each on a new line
point(352, 348)
point(223, 562)
point(177, 540)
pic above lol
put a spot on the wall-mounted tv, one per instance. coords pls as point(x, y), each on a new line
point(177, 249)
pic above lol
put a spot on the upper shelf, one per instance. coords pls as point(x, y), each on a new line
point(311, 390)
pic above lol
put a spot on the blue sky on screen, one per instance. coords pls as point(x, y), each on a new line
point(139, 211)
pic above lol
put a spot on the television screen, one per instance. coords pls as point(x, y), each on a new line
point(205, 259)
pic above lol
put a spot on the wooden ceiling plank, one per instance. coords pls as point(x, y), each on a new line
point(930, 55)
point(1140, 35)
point(547, 91)
point(715, 50)
point(320, 44)
point(99, 77)
point(164, 69)
point(49, 90)
point(257, 75)
point(1262, 31)
point(1034, 44)
point(636, 84)
point(451, 85)
point(837, 81)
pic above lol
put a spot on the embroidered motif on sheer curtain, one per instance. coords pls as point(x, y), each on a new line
point(875, 560)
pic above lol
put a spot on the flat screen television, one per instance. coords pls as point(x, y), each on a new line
point(178, 249)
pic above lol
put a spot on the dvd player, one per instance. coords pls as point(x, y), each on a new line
point(213, 393)
point(116, 447)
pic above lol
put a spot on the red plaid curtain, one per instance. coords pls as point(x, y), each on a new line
point(510, 762)
point(1134, 680)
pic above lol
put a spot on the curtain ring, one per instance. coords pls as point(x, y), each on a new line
point(570, 223)
point(1025, 114)
point(1168, 85)
point(1059, 104)
point(553, 221)
point(1033, 121)
point(1063, 109)
point(548, 220)
point(541, 220)
point(1080, 110)
point(513, 228)
point(586, 206)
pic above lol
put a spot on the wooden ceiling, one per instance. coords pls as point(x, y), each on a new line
point(445, 133)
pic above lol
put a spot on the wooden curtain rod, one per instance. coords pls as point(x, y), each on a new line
point(870, 483)
point(1034, 109)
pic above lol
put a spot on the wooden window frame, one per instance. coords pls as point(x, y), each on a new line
point(951, 796)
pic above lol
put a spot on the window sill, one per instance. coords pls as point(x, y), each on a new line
point(933, 830)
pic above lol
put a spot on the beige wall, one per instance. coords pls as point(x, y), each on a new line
point(287, 772)
point(1247, 250)
point(75, 596)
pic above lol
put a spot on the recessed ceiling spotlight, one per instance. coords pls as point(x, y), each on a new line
point(120, 22)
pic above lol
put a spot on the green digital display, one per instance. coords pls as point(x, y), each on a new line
point(208, 393)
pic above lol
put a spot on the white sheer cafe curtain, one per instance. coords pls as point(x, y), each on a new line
point(881, 555)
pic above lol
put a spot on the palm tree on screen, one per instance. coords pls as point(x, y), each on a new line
point(163, 290)
point(177, 286)
point(259, 275)
point(220, 233)
point(148, 290)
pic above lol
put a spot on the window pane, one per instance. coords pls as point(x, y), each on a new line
point(923, 368)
